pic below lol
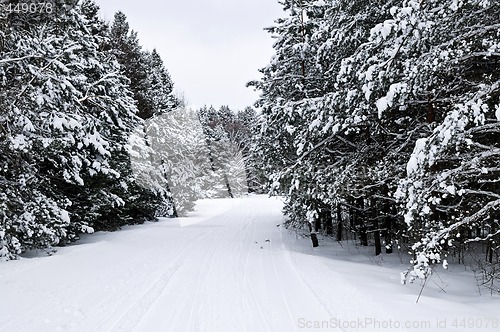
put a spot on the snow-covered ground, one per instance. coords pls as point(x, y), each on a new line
point(230, 266)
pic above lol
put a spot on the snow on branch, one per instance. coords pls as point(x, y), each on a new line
point(20, 58)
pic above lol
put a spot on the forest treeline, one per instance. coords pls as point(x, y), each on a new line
point(381, 120)
point(92, 136)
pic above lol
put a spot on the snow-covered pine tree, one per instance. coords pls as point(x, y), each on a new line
point(451, 189)
point(67, 115)
point(152, 89)
point(369, 151)
point(228, 162)
point(160, 85)
point(289, 86)
point(44, 128)
point(248, 126)
point(136, 203)
point(338, 145)
point(180, 146)
point(134, 63)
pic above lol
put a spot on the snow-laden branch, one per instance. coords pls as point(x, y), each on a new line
point(112, 74)
point(478, 55)
point(488, 237)
point(474, 31)
point(483, 212)
point(44, 68)
point(2, 61)
point(481, 192)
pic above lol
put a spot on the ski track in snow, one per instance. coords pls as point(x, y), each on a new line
point(234, 270)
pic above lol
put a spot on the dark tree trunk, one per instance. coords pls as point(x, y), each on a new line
point(431, 112)
point(376, 228)
point(317, 224)
point(328, 222)
point(229, 191)
point(386, 209)
point(174, 209)
point(314, 237)
point(339, 222)
point(376, 236)
point(489, 252)
point(352, 213)
point(363, 234)
point(492, 244)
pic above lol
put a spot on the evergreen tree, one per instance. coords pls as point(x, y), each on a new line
point(222, 131)
point(160, 85)
point(451, 190)
point(180, 146)
point(290, 87)
point(246, 132)
point(368, 82)
point(67, 116)
point(133, 61)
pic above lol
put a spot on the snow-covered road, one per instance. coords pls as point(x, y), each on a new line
point(229, 268)
point(225, 272)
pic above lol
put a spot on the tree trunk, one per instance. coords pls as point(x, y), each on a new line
point(339, 222)
point(229, 191)
point(317, 224)
point(314, 237)
point(376, 236)
point(363, 235)
point(376, 228)
point(387, 209)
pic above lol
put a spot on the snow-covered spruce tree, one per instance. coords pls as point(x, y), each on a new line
point(342, 139)
point(180, 146)
point(135, 64)
point(152, 89)
point(149, 79)
point(159, 83)
point(451, 190)
point(66, 117)
point(291, 77)
point(246, 133)
point(42, 128)
point(363, 152)
point(136, 203)
point(330, 144)
point(224, 138)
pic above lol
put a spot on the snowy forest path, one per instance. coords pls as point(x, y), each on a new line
point(230, 270)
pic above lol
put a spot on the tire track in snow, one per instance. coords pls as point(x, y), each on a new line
point(249, 290)
point(299, 276)
point(68, 309)
point(209, 255)
point(143, 285)
point(344, 303)
point(281, 289)
point(199, 281)
point(226, 250)
point(209, 276)
point(141, 305)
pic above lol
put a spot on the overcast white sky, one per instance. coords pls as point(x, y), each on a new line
point(210, 47)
